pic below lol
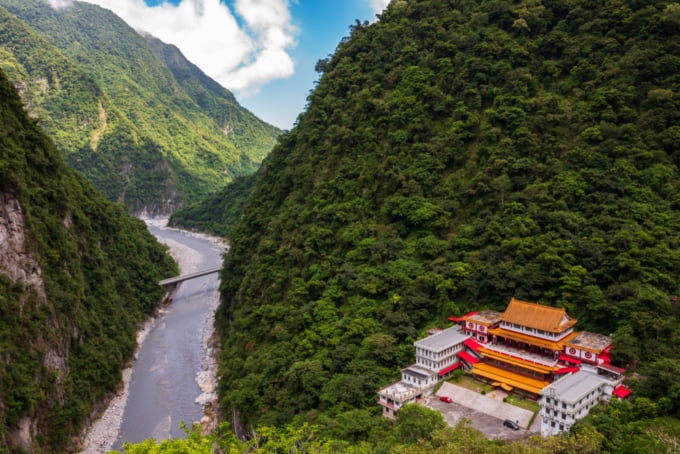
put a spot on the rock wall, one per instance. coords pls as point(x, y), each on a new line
point(19, 264)
point(15, 261)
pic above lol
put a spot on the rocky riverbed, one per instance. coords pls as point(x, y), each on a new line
point(104, 432)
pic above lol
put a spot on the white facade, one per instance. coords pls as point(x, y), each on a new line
point(547, 335)
point(438, 351)
point(569, 399)
point(477, 324)
point(581, 354)
point(480, 328)
point(434, 354)
point(395, 396)
point(419, 376)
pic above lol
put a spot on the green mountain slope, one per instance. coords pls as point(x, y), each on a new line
point(136, 118)
point(77, 274)
point(453, 155)
point(217, 213)
point(247, 132)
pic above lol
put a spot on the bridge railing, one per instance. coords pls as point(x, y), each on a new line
point(185, 277)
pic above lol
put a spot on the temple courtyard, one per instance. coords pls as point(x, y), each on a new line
point(486, 412)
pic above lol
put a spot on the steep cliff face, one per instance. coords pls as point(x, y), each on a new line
point(16, 262)
point(77, 274)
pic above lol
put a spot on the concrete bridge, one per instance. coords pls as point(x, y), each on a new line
point(171, 284)
point(173, 281)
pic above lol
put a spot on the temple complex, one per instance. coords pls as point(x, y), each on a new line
point(529, 349)
point(530, 345)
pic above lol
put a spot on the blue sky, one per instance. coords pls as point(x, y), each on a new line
point(322, 24)
point(264, 51)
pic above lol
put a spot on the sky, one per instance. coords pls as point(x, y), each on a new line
point(264, 51)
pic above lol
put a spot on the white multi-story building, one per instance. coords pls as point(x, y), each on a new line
point(569, 399)
point(438, 353)
point(436, 359)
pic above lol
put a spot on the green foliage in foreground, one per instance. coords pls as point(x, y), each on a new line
point(88, 274)
point(455, 154)
point(420, 430)
point(142, 123)
point(640, 425)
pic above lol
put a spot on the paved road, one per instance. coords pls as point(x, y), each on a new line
point(485, 413)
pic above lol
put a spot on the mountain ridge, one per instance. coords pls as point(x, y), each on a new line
point(148, 137)
point(77, 274)
point(454, 155)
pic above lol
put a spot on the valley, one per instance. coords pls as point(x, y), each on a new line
point(172, 378)
point(453, 156)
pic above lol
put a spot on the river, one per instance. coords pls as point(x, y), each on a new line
point(172, 376)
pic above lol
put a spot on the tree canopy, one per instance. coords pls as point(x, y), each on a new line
point(77, 275)
point(452, 155)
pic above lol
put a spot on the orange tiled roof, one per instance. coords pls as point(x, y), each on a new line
point(517, 361)
point(537, 316)
point(532, 340)
point(509, 378)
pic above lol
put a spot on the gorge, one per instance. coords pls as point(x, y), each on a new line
point(172, 378)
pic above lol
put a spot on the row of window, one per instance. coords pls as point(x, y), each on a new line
point(411, 379)
point(416, 380)
point(552, 424)
point(566, 406)
point(534, 331)
point(557, 414)
point(437, 355)
point(436, 365)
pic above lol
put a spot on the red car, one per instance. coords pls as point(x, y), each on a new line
point(446, 399)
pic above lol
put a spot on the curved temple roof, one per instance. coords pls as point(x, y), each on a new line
point(538, 316)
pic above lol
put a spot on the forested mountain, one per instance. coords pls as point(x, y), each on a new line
point(453, 155)
point(77, 273)
point(129, 112)
point(218, 212)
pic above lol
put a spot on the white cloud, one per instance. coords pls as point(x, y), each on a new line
point(241, 55)
point(58, 4)
point(379, 5)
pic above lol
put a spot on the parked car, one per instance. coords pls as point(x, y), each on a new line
point(446, 399)
point(511, 424)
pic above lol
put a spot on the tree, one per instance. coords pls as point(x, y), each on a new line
point(415, 423)
point(660, 379)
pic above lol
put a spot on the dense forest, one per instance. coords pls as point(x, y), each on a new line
point(218, 212)
point(139, 121)
point(77, 275)
point(452, 155)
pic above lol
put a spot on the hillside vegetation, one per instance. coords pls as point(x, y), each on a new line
point(137, 119)
point(218, 212)
point(77, 274)
point(455, 154)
